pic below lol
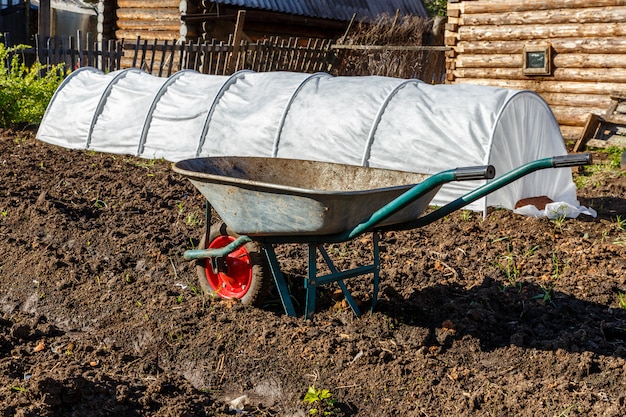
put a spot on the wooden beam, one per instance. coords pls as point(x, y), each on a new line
point(514, 60)
point(241, 18)
point(148, 4)
point(549, 86)
point(148, 14)
point(541, 31)
point(498, 6)
point(609, 75)
point(44, 19)
point(601, 45)
point(542, 17)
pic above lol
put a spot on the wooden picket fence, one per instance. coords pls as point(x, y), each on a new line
point(163, 58)
point(223, 58)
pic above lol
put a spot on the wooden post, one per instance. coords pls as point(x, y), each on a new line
point(234, 56)
point(44, 19)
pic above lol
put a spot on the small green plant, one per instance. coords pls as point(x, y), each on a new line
point(559, 219)
point(620, 224)
point(546, 293)
point(466, 215)
point(614, 154)
point(507, 263)
point(193, 219)
point(565, 413)
point(557, 269)
point(557, 266)
point(321, 402)
point(143, 163)
point(99, 204)
point(4, 213)
point(19, 139)
point(621, 299)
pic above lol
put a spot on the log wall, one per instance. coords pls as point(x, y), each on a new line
point(150, 19)
point(587, 40)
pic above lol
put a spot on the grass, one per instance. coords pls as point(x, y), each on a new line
point(621, 299)
point(620, 223)
point(466, 215)
point(595, 175)
point(507, 263)
point(193, 219)
point(558, 265)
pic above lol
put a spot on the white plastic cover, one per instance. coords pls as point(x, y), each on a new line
point(371, 121)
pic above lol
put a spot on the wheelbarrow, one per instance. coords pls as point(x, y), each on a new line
point(264, 202)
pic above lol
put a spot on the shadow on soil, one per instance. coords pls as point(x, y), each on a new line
point(608, 208)
point(528, 316)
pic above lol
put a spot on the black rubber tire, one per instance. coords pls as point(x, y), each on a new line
point(260, 281)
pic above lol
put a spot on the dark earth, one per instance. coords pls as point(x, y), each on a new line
point(102, 316)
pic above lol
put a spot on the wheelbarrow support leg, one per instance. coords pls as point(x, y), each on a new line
point(342, 285)
point(279, 280)
point(310, 284)
point(376, 271)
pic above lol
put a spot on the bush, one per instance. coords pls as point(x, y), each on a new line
point(24, 94)
point(436, 7)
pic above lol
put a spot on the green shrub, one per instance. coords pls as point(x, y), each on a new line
point(24, 94)
point(436, 7)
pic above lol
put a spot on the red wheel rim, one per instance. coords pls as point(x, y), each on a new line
point(236, 281)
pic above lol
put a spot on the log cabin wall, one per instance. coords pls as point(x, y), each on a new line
point(586, 41)
point(150, 19)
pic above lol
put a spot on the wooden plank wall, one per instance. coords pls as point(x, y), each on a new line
point(588, 39)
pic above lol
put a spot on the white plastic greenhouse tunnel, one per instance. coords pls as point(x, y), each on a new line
point(371, 121)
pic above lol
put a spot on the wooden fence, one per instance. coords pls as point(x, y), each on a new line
point(221, 58)
point(163, 58)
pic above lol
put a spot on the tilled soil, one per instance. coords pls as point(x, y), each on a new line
point(101, 315)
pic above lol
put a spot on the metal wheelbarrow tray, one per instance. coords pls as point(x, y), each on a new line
point(269, 201)
point(273, 196)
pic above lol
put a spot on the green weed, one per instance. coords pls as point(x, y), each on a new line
point(320, 401)
point(559, 219)
point(620, 224)
point(193, 219)
point(508, 265)
point(621, 298)
point(558, 266)
point(614, 156)
point(99, 204)
point(565, 413)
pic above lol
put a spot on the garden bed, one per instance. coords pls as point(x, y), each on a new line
point(101, 315)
